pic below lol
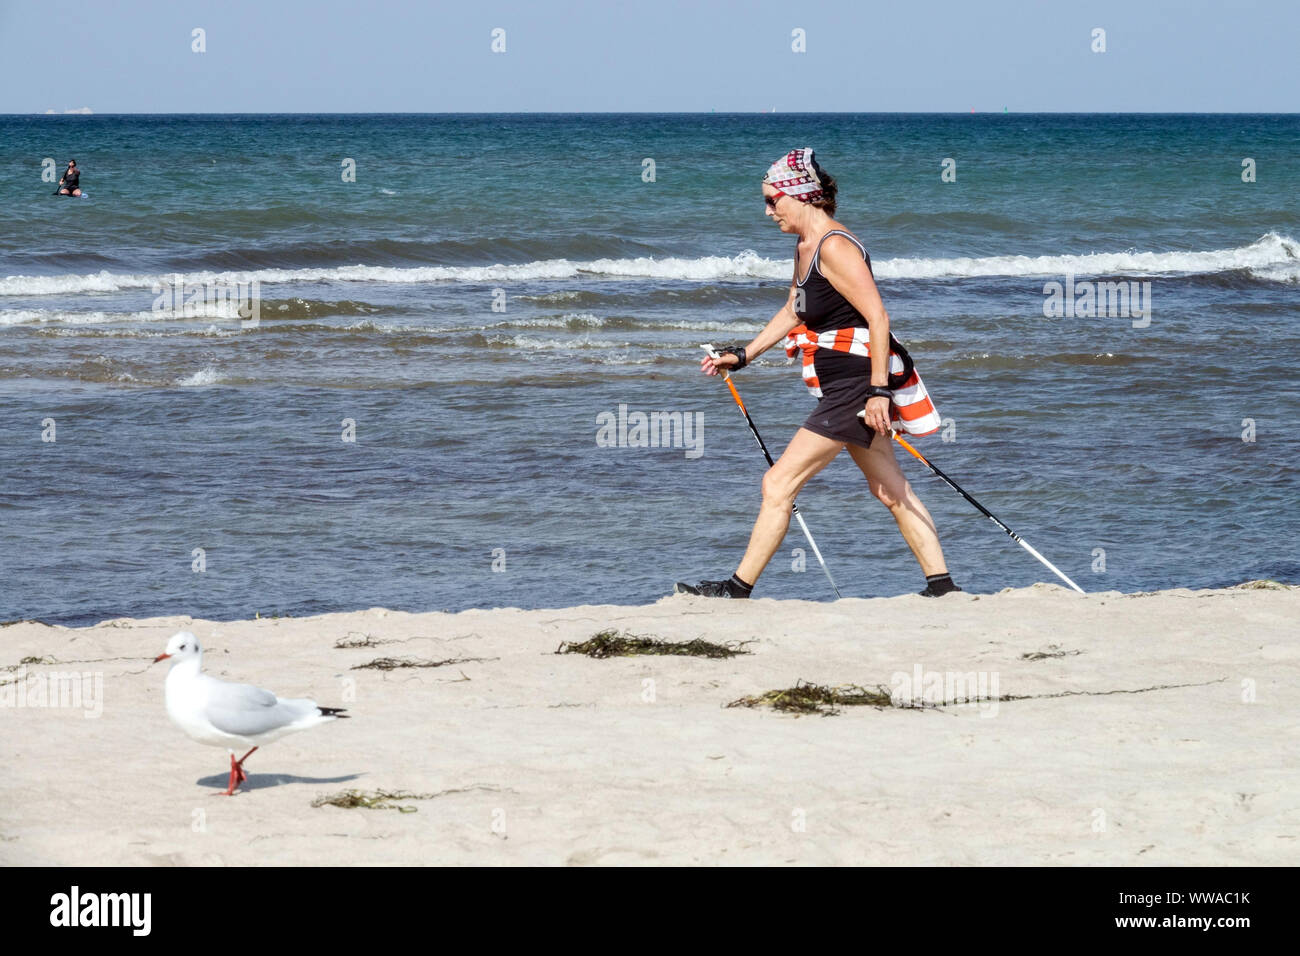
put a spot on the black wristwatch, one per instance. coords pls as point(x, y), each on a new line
point(879, 391)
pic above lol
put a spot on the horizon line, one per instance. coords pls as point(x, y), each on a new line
point(994, 112)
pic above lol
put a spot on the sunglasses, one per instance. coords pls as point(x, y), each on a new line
point(771, 200)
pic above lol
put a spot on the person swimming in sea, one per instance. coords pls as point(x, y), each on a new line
point(70, 184)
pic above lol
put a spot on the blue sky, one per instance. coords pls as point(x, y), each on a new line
point(671, 56)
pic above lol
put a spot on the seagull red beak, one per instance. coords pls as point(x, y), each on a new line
point(161, 657)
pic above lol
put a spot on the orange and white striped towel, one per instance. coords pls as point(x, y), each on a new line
point(911, 408)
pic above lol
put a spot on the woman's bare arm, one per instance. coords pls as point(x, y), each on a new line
point(776, 329)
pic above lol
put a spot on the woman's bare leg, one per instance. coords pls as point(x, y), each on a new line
point(807, 454)
point(890, 485)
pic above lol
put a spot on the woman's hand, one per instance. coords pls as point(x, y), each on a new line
point(877, 416)
point(712, 366)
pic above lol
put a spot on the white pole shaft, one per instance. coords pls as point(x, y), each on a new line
point(1055, 570)
point(813, 544)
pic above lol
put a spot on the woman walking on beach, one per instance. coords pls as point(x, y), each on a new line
point(851, 362)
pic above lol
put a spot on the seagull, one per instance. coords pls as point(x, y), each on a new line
point(223, 714)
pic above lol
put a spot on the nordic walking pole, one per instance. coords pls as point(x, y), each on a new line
point(726, 377)
point(988, 514)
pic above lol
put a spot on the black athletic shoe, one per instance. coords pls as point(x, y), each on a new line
point(718, 589)
point(930, 592)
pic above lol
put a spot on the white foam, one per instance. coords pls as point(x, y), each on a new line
point(66, 317)
point(550, 322)
point(567, 295)
point(746, 265)
point(207, 375)
point(648, 325)
point(1288, 272)
point(704, 325)
point(79, 331)
point(524, 342)
point(1261, 257)
point(42, 316)
point(1271, 257)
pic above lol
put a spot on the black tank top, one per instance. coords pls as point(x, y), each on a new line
point(825, 309)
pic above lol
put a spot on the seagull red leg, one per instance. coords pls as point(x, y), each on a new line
point(240, 765)
point(234, 770)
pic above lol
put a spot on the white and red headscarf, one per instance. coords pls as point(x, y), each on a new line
point(794, 175)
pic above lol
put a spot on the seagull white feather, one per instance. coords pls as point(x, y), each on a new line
point(224, 714)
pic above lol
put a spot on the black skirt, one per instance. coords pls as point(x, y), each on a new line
point(836, 414)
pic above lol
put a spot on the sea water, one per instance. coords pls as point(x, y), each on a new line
point(450, 309)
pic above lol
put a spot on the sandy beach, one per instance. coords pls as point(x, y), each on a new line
point(1152, 729)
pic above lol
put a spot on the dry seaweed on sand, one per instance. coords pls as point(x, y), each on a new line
point(26, 661)
point(388, 799)
point(806, 698)
point(1052, 650)
point(371, 800)
point(611, 643)
point(394, 663)
point(357, 639)
point(1262, 584)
